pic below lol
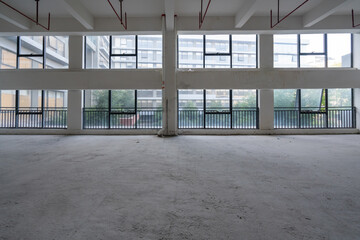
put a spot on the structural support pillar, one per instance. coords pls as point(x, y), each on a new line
point(356, 61)
point(169, 83)
point(75, 96)
point(266, 96)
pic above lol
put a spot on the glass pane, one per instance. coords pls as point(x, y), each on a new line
point(339, 50)
point(191, 99)
point(55, 98)
point(312, 100)
point(123, 100)
point(123, 44)
point(30, 62)
point(217, 44)
point(123, 62)
point(312, 43)
point(217, 61)
point(217, 100)
point(285, 98)
point(312, 61)
point(286, 51)
point(244, 98)
point(57, 52)
point(149, 99)
point(8, 52)
point(30, 100)
point(190, 53)
point(244, 51)
point(97, 52)
point(150, 51)
point(340, 97)
point(7, 98)
point(97, 99)
point(31, 45)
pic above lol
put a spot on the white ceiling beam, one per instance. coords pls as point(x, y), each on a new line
point(323, 10)
point(14, 18)
point(246, 11)
point(169, 13)
point(80, 13)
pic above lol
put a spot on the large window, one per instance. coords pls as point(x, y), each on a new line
point(34, 52)
point(312, 50)
point(33, 109)
point(122, 109)
point(217, 51)
point(123, 52)
point(217, 108)
point(314, 108)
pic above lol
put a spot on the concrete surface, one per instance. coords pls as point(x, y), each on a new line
point(188, 187)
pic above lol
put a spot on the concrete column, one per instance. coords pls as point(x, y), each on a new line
point(356, 60)
point(266, 105)
point(76, 51)
point(74, 110)
point(266, 96)
point(169, 83)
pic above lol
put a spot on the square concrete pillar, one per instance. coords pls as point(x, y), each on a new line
point(76, 52)
point(75, 110)
point(356, 61)
point(266, 106)
point(266, 51)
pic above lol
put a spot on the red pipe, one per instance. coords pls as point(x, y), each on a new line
point(37, 15)
point(278, 17)
point(119, 17)
point(353, 20)
point(201, 17)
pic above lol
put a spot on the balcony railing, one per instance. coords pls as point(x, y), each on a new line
point(238, 118)
point(50, 118)
point(307, 118)
point(99, 118)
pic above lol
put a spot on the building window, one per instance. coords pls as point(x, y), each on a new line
point(123, 52)
point(312, 51)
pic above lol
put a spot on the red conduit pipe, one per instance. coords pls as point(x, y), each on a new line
point(278, 16)
point(37, 14)
point(353, 20)
point(201, 16)
point(120, 17)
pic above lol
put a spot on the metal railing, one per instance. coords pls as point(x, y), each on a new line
point(102, 118)
point(308, 118)
point(51, 118)
point(238, 118)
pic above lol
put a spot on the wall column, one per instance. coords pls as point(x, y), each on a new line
point(76, 51)
point(356, 59)
point(169, 83)
point(266, 96)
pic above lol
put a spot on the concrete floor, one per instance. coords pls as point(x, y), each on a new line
point(188, 187)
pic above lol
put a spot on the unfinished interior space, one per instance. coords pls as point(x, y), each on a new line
point(169, 119)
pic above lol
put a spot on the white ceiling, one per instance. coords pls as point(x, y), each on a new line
point(146, 8)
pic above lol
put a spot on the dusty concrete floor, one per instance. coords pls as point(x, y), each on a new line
point(188, 187)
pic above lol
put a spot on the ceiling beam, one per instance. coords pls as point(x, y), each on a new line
point(169, 13)
point(80, 13)
point(14, 18)
point(246, 11)
point(323, 10)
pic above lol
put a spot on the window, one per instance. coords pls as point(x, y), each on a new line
point(123, 52)
point(216, 108)
point(312, 50)
point(122, 109)
point(33, 109)
point(221, 51)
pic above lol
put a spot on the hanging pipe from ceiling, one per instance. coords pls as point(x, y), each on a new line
point(201, 16)
point(36, 21)
point(353, 20)
point(120, 17)
point(278, 14)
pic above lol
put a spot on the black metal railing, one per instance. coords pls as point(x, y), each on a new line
point(51, 118)
point(238, 118)
point(101, 118)
point(313, 118)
